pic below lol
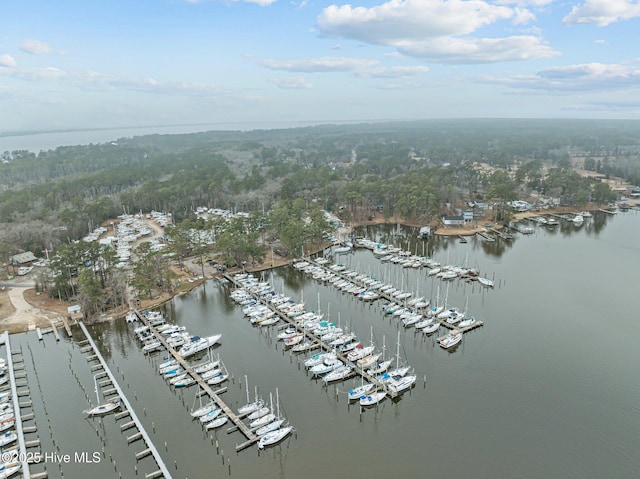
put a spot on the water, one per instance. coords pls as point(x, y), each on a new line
point(548, 387)
point(48, 140)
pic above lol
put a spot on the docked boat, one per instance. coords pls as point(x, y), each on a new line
point(151, 346)
point(206, 409)
point(372, 399)
point(217, 422)
point(7, 438)
point(431, 328)
point(486, 282)
point(198, 344)
point(210, 416)
point(274, 437)
point(361, 390)
point(467, 321)
point(8, 469)
point(7, 423)
point(399, 385)
point(272, 426)
point(578, 220)
point(451, 339)
point(250, 406)
point(327, 365)
point(338, 374)
point(103, 408)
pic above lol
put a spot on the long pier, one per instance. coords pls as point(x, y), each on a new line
point(151, 449)
point(26, 473)
point(204, 386)
point(357, 369)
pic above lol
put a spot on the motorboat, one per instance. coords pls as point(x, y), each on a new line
point(451, 339)
point(398, 385)
point(467, 321)
point(198, 344)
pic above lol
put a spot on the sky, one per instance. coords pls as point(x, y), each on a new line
point(101, 64)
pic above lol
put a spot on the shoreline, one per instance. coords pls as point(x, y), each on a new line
point(33, 310)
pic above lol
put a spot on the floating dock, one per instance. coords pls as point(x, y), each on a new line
point(324, 346)
point(204, 386)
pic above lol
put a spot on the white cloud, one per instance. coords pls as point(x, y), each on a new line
point(359, 67)
point(600, 42)
point(573, 78)
point(324, 64)
point(410, 19)
point(477, 50)
point(36, 47)
point(602, 12)
point(292, 83)
point(392, 72)
point(7, 61)
point(437, 30)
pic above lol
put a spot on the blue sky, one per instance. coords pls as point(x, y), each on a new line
point(70, 64)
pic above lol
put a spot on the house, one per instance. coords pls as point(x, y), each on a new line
point(467, 215)
point(23, 259)
point(453, 220)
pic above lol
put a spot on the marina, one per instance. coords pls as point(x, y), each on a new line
point(495, 382)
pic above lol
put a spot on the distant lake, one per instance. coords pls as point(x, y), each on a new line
point(41, 141)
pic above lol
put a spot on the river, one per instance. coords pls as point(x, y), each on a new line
point(548, 387)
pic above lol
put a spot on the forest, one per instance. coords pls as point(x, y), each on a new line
point(416, 170)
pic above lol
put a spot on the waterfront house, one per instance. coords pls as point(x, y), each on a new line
point(452, 221)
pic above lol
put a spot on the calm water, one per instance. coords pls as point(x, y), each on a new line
point(549, 386)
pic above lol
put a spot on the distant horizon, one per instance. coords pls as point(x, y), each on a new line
point(179, 62)
point(294, 124)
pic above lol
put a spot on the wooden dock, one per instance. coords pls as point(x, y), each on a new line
point(204, 386)
point(320, 344)
point(163, 471)
point(486, 237)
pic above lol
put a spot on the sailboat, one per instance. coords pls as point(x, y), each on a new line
point(398, 371)
point(104, 407)
point(250, 406)
point(276, 423)
point(383, 365)
point(264, 419)
point(372, 399)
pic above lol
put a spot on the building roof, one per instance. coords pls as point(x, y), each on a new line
point(22, 258)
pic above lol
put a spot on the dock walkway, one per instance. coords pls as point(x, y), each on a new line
point(324, 346)
point(22, 447)
point(150, 447)
point(204, 386)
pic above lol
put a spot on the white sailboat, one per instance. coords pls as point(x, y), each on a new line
point(372, 399)
point(104, 407)
point(250, 406)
